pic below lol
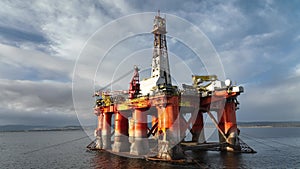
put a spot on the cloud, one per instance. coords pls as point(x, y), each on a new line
point(239, 57)
point(295, 72)
point(258, 43)
point(28, 98)
point(273, 101)
point(35, 88)
point(64, 25)
point(32, 64)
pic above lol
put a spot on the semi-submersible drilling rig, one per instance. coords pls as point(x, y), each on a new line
point(123, 120)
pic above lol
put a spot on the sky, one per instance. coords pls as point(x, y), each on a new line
point(43, 45)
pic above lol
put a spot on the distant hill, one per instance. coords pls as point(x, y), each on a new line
point(269, 124)
point(5, 128)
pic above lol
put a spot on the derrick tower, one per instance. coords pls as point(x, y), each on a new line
point(160, 70)
point(160, 60)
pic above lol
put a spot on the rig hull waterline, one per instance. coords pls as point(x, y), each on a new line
point(150, 119)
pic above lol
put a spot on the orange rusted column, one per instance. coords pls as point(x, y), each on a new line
point(98, 131)
point(106, 130)
point(163, 126)
point(170, 116)
point(228, 125)
point(121, 143)
point(221, 125)
point(172, 110)
point(163, 122)
point(169, 125)
point(140, 145)
point(230, 118)
point(140, 127)
point(197, 129)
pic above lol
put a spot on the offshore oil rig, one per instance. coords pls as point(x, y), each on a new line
point(148, 120)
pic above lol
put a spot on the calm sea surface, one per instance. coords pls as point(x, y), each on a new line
point(276, 147)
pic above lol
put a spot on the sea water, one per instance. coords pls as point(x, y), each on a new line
point(276, 148)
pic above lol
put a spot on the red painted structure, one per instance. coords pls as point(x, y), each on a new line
point(154, 123)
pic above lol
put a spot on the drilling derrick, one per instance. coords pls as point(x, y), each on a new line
point(160, 61)
point(160, 70)
point(149, 118)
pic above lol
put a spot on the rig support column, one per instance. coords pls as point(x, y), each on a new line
point(121, 143)
point(131, 130)
point(228, 126)
point(140, 145)
point(169, 124)
point(106, 130)
point(172, 109)
point(221, 125)
point(163, 122)
point(197, 129)
point(98, 133)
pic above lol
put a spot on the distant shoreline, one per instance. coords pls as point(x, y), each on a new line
point(24, 128)
point(268, 126)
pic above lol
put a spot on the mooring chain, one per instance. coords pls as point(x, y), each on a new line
point(55, 145)
point(292, 146)
point(254, 139)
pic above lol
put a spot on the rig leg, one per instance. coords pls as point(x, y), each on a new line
point(140, 145)
point(197, 129)
point(121, 143)
point(221, 126)
point(163, 144)
point(98, 132)
point(131, 130)
point(229, 126)
point(169, 124)
point(106, 130)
